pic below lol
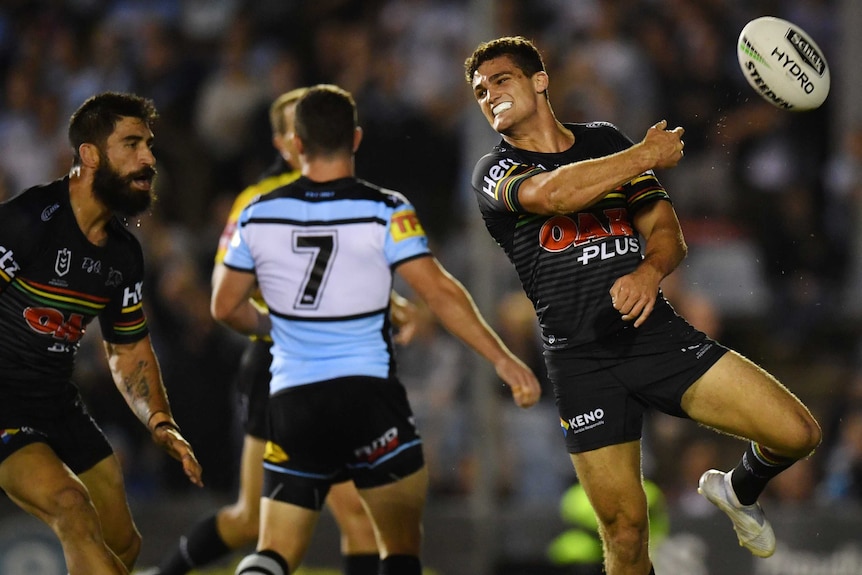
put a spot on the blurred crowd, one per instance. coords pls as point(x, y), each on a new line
point(769, 200)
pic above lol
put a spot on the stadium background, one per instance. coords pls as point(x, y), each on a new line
point(770, 203)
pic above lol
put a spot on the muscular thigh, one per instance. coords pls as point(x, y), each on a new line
point(104, 482)
point(613, 481)
point(33, 475)
point(740, 398)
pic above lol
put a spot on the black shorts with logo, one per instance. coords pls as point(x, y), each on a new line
point(353, 428)
point(64, 424)
point(252, 387)
point(603, 389)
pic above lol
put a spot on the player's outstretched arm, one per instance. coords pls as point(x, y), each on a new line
point(577, 186)
point(137, 375)
point(452, 304)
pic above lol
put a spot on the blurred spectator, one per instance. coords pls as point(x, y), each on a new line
point(842, 480)
point(32, 135)
point(225, 104)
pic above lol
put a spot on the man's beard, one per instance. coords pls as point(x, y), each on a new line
point(116, 191)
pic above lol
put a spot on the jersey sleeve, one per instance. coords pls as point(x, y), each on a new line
point(496, 179)
point(16, 244)
point(124, 320)
point(406, 239)
point(641, 190)
point(238, 255)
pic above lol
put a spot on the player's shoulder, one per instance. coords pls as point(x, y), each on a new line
point(599, 133)
point(502, 160)
point(595, 128)
point(391, 198)
point(38, 205)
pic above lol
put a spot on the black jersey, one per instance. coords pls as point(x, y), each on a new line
point(53, 282)
point(567, 263)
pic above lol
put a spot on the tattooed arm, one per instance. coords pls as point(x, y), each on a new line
point(137, 375)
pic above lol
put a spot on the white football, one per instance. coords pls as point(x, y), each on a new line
point(783, 64)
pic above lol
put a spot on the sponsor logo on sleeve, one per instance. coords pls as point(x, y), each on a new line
point(8, 266)
point(405, 225)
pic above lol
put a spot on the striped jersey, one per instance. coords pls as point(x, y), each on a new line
point(566, 263)
point(53, 283)
point(323, 254)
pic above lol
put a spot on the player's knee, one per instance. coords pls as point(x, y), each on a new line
point(128, 548)
point(241, 523)
point(266, 562)
point(71, 513)
point(625, 538)
point(810, 436)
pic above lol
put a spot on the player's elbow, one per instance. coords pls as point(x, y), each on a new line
point(219, 310)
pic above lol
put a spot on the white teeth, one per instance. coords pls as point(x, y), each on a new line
point(502, 107)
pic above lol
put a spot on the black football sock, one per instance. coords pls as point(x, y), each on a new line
point(361, 564)
point(201, 546)
point(401, 565)
point(757, 466)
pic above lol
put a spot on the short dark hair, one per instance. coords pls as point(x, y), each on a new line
point(97, 117)
point(325, 120)
point(523, 53)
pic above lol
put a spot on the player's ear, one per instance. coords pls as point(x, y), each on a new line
point(89, 155)
point(540, 82)
point(298, 145)
point(357, 138)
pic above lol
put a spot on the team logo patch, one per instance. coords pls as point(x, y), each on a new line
point(115, 278)
point(405, 225)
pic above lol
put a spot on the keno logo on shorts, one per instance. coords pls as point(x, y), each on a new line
point(583, 422)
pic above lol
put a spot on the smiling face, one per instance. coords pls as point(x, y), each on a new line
point(505, 94)
point(123, 180)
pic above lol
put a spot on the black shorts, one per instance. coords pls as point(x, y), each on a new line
point(354, 428)
point(603, 389)
point(252, 387)
point(64, 424)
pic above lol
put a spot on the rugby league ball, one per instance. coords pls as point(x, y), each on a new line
point(783, 64)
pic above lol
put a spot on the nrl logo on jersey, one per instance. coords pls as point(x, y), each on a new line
point(64, 262)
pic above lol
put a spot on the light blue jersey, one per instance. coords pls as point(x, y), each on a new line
point(324, 254)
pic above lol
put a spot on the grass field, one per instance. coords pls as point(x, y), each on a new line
point(229, 570)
